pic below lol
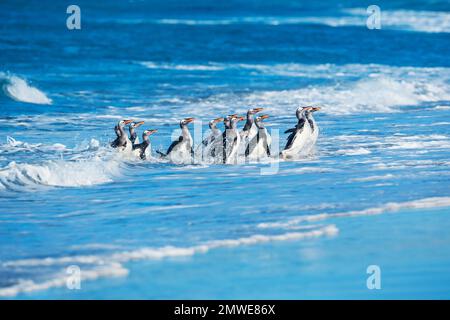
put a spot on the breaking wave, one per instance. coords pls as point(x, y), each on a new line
point(59, 173)
point(423, 21)
point(377, 94)
point(353, 88)
point(20, 90)
point(373, 95)
point(88, 166)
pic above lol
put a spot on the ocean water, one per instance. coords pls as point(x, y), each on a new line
point(376, 191)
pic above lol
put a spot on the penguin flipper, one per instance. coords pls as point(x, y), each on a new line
point(115, 143)
point(174, 144)
point(290, 140)
point(290, 130)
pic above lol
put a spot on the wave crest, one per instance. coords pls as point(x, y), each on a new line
point(18, 89)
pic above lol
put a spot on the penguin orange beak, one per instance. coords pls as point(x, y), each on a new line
point(218, 120)
point(316, 108)
point(256, 110)
point(153, 131)
point(189, 120)
point(240, 118)
point(140, 123)
point(127, 121)
point(264, 116)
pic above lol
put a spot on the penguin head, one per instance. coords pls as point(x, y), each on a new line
point(135, 125)
point(254, 110)
point(262, 117)
point(213, 123)
point(302, 111)
point(259, 120)
point(124, 122)
point(186, 121)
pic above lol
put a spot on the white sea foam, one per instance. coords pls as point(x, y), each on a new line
point(59, 173)
point(402, 164)
point(424, 21)
point(354, 89)
point(442, 107)
point(354, 151)
point(18, 89)
point(60, 280)
point(12, 146)
point(376, 94)
point(434, 202)
point(185, 67)
point(303, 170)
point(426, 143)
point(96, 266)
point(410, 20)
point(373, 178)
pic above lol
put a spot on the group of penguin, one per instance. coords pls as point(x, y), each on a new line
point(253, 141)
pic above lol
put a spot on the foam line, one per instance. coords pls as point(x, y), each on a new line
point(434, 202)
point(96, 266)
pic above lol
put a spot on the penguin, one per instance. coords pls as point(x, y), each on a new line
point(231, 140)
point(143, 149)
point(249, 130)
point(180, 151)
point(122, 142)
point(133, 135)
point(299, 135)
point(259, 146)
point(208, 144)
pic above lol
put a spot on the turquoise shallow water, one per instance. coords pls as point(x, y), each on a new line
point(375, 192)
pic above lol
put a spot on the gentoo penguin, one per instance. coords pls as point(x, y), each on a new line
point(299, 135)
point(231, 140)
point(227, 121)
point(122, 140)
point(313, 125)
point(180, 151)
point(210, 141)
point(143, 149)
point(133, 135)
point(216, 150)
point(259, 146)
point(249, 131)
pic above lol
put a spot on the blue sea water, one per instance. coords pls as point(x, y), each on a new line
point(375, 192)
